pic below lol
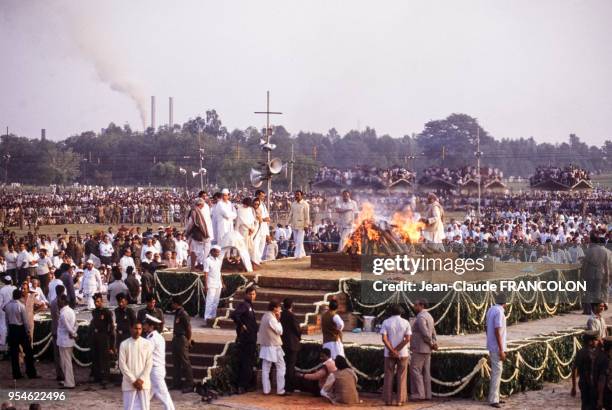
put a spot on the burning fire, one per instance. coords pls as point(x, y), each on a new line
point(405, 226)
point(403, 230)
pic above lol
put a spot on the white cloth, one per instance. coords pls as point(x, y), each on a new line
point(224, 223)
point(66, 327)
point(106, 249)
point(300, 252)
point(135, 362)
point(137, 400)
point(6, 295)
point(396, 328)
point(496, 373)
point(206, 214)
point(52, 285)
point(212, 302)
point(66, 365)
point(336, 348)
point(213, 272)
point(200, 250)
point(266, 365)
point(234, 240)
point(91, 283)
point(495, 319)
point(345, 234)
point(124, 263)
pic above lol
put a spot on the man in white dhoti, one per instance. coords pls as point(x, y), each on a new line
point(246, 224)
point(299, 219)
point(347, 212)
point(159, 388)
point(263, 217)
point(434, 219)
point(271, 348)
point(214, 282)
point(135, 363)
point(198, 233)
point(225, 215)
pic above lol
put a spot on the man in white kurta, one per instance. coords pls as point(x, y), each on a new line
point(214, 282)
point(271, 349)
point(135, 363)
point(259, 241)
point(225, 215)
point(434, 231)
point(66, 336)
point(299, 219)
point(347, 212)
point(205, 211)
point(159, 388)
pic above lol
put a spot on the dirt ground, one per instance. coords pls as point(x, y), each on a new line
point(89, 396)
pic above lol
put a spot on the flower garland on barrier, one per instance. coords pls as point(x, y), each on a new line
point(460, 312)
point(190, 287)
point(530, 363)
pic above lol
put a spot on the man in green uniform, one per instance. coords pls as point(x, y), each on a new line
point(181, 341)
point(101, 340)
point(125, 317)
point(584, 364)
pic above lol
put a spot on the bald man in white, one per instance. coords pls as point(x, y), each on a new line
point(135, 363)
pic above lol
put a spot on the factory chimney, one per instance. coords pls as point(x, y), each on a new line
point(170, 113)
point(43, 134)
point(153, 112)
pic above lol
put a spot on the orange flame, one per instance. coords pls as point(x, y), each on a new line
point(406, 227)
point(363, 225)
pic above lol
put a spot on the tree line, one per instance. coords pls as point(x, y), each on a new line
point(119, 156)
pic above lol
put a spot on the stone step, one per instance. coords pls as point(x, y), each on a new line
point(203, 360)
point(200, 348)
point(327, 285)
point(297, 307)
point(278, 294)
point(199, 372)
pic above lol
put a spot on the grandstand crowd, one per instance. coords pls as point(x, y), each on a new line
point(568, 176)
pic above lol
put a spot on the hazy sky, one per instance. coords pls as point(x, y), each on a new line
point(523, 67)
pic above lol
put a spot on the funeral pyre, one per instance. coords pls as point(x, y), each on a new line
point(377, 236)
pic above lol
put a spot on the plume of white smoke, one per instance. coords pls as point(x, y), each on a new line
point(106, 57)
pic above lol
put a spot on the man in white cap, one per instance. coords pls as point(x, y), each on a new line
point(159, 388)
point(225, 213)
point(6, 295)
point(214, 282)
point(91, 283)
point(135, 363)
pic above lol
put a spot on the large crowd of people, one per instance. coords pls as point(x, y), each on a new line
point(459, 176)
point(568, 176)
point(364, 176)
point(69, 271)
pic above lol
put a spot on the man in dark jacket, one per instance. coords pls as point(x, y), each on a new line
point(133, 285)
point(124, 319)
point(68, 280)
point(101, 341)
point(151, 309)
point(291, 336)
point(246, 338)
point(147, 282)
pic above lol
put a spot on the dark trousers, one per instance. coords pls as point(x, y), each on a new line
point(290, 360)
point(106, 260)
point(181, 365)
point(100, 357)
point(44, 283)
point(22, 273)
point(246, 360)
point(13, 274)
point(59, 374)
point(18, 337)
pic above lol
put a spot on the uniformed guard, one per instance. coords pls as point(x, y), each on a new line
point(181, 342)
point(158, 371)
point(151, 310)
point(125, 317)
point(246, 338)
point(584, 366)
point(101, 340)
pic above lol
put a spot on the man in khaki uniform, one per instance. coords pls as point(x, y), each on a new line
point(595, 271)
point(299, 219)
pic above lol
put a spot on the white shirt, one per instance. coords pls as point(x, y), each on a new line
point(66, 326)
point(396, 328)
point(52, 294)
point(91, 282)
point(145, 249)
point(213, 272)
point(11, 260)
point(347, 217)
point(159, 349)
point(22, 257)
point(39, 295)
point(496, 319)
point(44, 266)
point(106, 249)
point(126, 261)
point(6, 295)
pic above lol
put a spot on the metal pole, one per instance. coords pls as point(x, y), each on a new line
point(201, 159)
point(478, 165)
point(268, 152)
point(291, 170)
